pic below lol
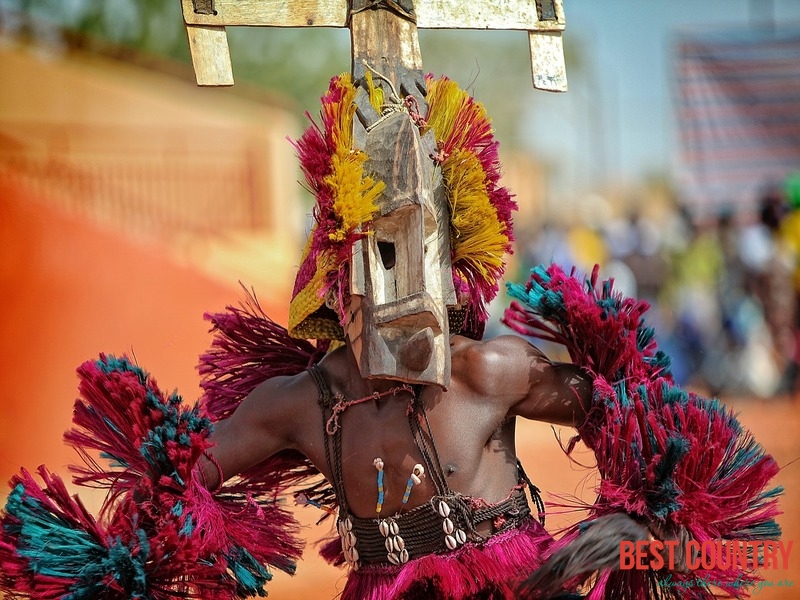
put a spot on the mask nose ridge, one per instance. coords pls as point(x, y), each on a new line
point(416, 353)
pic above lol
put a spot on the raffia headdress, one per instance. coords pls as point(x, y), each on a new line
point(479, 207)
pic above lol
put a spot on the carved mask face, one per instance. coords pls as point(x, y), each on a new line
point(400, 275)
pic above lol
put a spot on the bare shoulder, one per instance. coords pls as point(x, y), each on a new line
point(280, 405)
point(502, 350)
point(499, 366)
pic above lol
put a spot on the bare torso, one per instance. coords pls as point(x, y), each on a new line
point(474, 439)
point(472, 422)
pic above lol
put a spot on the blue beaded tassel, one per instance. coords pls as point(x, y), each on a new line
point(378, 462)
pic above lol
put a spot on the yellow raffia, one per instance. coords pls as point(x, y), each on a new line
point(302, 323)
point(341, 113)
point(354, 204)
point(477, 235)
point(376, 96)
point(450, 104)
point(354, 194)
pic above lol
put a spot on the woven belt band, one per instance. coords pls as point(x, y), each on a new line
point(422, 528)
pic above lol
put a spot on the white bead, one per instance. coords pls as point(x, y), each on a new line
point(451, 542)
point(383, 527)
point(444, 509)
point(404, 556)
point(447, 526)
point(461, 537)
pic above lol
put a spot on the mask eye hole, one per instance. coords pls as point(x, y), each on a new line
point(388, 255)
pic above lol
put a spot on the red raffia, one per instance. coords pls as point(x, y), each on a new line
point(190, 542)
point(248, 348)
point(673, 460)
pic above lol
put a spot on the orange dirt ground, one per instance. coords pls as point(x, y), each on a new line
point(69, 291)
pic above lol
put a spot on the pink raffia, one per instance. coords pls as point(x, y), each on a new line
point(247, 349)
point(491, 570)
point(160, 533)
point(678, 462)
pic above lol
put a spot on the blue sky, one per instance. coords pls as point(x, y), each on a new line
point(618, 119)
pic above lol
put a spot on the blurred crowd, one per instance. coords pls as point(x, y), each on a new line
point(725, 292)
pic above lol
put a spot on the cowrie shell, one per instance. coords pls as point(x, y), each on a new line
point(404, 556)
point(461, 537)
point(393, 558)
point(351, 539)
point(444, 509)
point(399, 544)
point(389, 544)
point(348, 524)
point(451, 542)
point(394, 527)
point(383, 527)
point(447, 526)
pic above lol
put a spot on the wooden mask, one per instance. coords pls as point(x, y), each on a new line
point(400, 275)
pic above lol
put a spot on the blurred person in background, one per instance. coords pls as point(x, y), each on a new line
point(788, 235)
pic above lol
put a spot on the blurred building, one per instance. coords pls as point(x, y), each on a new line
point(207, 173)
point(131, 202)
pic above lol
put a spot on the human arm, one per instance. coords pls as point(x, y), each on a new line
point(266, 422)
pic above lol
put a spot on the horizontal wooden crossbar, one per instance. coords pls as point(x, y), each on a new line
point(431, 14)
point(206, 21)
